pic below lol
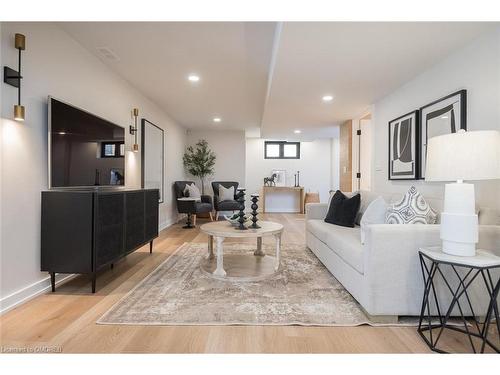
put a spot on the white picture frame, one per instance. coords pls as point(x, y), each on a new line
point(280, 177)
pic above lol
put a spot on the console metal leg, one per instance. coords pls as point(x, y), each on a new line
point(94, 276)
point(53, 281)
point(151, 247)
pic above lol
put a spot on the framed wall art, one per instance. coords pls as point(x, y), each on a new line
point(403, 147)
point(443, 116)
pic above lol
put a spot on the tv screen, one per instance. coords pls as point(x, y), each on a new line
point(84, 150)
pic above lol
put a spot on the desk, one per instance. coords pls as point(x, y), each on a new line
point(299, 190)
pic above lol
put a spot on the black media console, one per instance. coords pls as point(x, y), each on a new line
point(86, 230)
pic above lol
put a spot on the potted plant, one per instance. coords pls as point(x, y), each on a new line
point(200, 161)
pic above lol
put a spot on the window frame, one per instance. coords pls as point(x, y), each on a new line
point(281, 145)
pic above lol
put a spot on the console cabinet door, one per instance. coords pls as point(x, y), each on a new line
point(109, 229)
point(151, 210)
point(66, 232)
point(134, 222)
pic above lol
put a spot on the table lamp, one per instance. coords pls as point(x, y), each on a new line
point(461, 156)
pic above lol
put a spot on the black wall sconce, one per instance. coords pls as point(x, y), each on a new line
point(133, 130)
point(13, 78)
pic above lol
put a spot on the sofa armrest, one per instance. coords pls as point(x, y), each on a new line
point(403, 240)
point(392, 266)
point(316, 211)
point(396, 244)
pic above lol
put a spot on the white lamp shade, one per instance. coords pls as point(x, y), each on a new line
point(464, 155)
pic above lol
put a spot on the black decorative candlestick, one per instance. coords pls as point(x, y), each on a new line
point(255, 199)
point(298, 178)
point(241, 201)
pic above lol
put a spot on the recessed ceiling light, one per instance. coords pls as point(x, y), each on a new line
point(327, 98)
point(193, 78)
point(444, 117)
point(297, 131)
point(62, 133)
point(217, 119)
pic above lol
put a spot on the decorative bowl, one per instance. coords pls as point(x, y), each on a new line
point(233, 219)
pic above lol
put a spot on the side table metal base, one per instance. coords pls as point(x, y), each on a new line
point(431, 332)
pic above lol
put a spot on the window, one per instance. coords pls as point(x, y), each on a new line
point(112, 149)
point(281, 150)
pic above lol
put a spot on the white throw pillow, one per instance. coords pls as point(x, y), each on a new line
point(192, 191)
point(374, 214)
point(412, 209)
point(226, 194)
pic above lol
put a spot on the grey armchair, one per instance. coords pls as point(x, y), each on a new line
point(227, 205)
point(191, 207)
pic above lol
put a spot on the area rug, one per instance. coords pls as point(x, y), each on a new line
point(178, 292)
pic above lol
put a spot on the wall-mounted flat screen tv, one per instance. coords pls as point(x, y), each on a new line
point(84, 149)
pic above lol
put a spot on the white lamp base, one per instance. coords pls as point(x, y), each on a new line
point(459, 222)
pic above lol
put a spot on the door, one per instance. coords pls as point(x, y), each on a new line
point(151, 213)
point(365, 155)
point(109, 215)
point(134, 220)
point(345, 156)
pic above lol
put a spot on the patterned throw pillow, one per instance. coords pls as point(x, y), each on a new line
point(412, 209)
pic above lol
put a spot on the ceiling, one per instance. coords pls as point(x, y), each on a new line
point(271, 75)
point(231, 58)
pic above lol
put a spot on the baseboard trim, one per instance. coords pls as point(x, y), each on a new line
point(166, 224)
point(29, 292)
point(42, 286)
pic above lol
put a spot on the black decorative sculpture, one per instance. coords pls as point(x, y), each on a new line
point(241, 201)
point(269, 181)
point(298, 179)
point(255, 199)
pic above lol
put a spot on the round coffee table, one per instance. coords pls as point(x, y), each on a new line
point(241, 267)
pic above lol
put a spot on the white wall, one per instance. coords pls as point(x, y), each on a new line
point(475, 68)
point(335, 164)
point(315, 166)
point(229, 147)
point(55, 64)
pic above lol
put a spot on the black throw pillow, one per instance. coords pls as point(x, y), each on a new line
point(343, 210)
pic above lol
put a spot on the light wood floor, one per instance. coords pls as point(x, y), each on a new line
point(66, 319)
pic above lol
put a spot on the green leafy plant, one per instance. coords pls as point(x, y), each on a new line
point(200, 161)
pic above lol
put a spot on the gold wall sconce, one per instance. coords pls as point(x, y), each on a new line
point(13, 77)
point(133, 130)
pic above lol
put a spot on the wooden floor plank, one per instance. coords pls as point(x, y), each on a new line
point(67, 318)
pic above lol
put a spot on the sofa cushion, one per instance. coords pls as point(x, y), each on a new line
point(228, 206)
point(318, 228)
point(343, 241)
point(367, 197)
point(202, 207)
point(374, 214)
point(346, 243)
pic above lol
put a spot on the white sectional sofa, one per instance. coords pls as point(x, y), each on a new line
point(384, 274)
